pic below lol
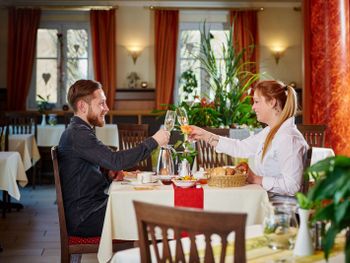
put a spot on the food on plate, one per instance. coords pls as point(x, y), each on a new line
point(186, 178)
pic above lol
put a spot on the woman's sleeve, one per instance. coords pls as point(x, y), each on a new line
point(240, 148)
point(291, 152)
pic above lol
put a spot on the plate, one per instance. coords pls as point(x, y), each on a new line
point(184, 183)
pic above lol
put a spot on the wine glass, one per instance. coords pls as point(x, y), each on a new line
point(182, 117)
point(169, 120)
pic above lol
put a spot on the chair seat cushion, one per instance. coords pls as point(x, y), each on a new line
point(74, 240)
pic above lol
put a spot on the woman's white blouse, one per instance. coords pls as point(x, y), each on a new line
point(283, 164)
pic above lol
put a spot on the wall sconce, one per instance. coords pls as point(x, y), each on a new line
point(134, 52)
point(277, 53)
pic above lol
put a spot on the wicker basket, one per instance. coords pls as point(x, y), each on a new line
point(238, 179)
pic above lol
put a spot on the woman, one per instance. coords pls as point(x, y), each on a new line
point(277, 152)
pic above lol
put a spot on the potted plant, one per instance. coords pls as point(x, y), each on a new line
point(231, 86)
point(331, 198)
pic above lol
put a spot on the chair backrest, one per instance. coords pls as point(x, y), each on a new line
point(60, 207)
point(151, 217)
point(4, 135)
point(130, 135)
point(313, 134)
point(22, 123)
point(207, 157)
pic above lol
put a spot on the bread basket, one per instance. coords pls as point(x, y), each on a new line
point(225, 180)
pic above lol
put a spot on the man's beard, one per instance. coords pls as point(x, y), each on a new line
point(93, 119)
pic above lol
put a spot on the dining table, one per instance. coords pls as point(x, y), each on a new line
point(257, 250)
point(12, 171)
point(26, 146)
point(49, 135)
point(120, 220)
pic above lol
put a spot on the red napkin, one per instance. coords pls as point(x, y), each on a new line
point(188, 197)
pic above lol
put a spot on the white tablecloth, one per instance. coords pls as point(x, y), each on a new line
point(120, 220)
point(108, 134)
point(253, 255)
point(49, 135)
point(11, 171)
point(319, 154)
point(26, 145)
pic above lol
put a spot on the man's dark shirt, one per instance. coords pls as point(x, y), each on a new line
point(80, 156)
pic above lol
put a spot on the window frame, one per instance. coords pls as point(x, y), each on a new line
point(62, 27)
point(183, 26)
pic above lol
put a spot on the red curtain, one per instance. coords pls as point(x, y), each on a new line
point(103, 33)
point(245, 25)
point(22, 31)
point(327, 69)
point(166, 36)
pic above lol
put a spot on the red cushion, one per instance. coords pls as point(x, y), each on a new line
point(74, 240)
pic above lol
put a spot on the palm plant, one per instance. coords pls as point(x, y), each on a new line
point(230, 85)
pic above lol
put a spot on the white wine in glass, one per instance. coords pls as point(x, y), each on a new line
point(182, 117)
point(169, 120)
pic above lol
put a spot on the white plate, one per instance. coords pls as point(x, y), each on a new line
point(184, 183)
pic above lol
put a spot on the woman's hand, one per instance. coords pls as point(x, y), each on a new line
point(253, 178)
point(197, 133)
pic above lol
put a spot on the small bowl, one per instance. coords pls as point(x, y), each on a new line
point(184, 183)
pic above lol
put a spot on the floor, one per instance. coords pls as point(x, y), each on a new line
point(32, 234)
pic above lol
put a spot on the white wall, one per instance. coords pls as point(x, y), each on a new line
point(281, 26)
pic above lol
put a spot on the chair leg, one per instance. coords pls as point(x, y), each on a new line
point(76, 258)
point(4, 203)
point(65, 256)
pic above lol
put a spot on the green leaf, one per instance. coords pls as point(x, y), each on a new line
point(328, 241)
point(303, 201)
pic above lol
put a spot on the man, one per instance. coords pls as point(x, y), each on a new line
point(81, 154)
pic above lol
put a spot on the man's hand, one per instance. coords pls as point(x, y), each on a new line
point(162, 137)
point(116, 175)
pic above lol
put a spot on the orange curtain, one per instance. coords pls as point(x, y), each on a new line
point(245, 30)
point(22, 31)
point(103, 33)
point(166, 36)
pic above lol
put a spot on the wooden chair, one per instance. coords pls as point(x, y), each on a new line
point(131, 135)
point(25, 123)
point(22, 123)
point(191, 221)
point(72, 244)
point(313, 134)
point(207, 157)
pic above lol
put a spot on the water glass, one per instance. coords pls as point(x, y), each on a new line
point(281, 226)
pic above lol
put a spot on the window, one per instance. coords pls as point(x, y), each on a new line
point(62, 57)
point(189, 47)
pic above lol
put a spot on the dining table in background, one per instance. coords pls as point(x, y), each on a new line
point(49, 135)
point(27, 147)
point(12, 171)
point(108, 134)
point(120, 220)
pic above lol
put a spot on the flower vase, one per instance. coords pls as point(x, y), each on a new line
point(43, 120)
point(303, 244)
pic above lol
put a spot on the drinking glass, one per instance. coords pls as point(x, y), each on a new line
point(169, 120)
point(281, 226)
point(182, 117)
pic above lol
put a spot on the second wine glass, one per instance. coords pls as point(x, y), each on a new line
point(169, 120)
